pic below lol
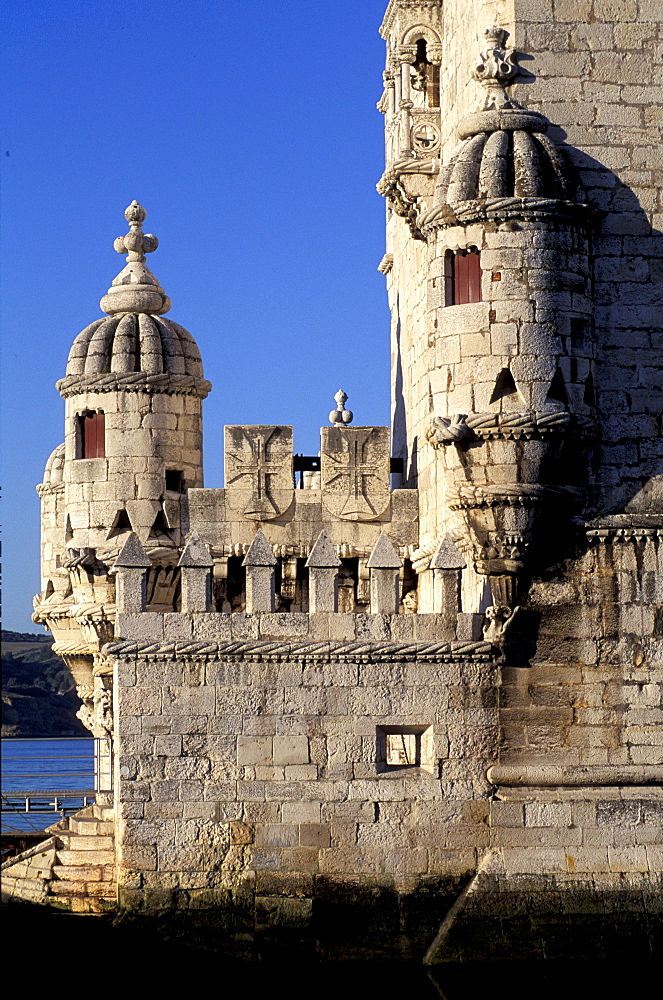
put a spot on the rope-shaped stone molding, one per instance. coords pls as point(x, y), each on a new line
point(517, 426)
point(325, 651)
point(165, 382)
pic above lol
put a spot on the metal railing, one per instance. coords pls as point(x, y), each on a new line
point(42, 777)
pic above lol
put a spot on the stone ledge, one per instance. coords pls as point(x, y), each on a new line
point(553, 775)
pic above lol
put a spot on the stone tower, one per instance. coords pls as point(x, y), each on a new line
point(495, 277)
point(133, 392)
point(342, 715)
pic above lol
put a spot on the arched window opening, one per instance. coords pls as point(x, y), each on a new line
point(91, 434)
point(462, 276)
point(425, 77)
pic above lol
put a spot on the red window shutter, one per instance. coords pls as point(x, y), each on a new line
point(99, 424)
point(93, 435)
point(473, 276)
point(460, 278)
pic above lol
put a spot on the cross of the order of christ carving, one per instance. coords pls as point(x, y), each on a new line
point(259, 470)
point(355, 477)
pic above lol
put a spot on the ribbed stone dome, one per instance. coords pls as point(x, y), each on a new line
point(134, 342)
point(134, 347)
point(504, 153)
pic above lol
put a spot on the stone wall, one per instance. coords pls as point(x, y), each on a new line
point(254, 775)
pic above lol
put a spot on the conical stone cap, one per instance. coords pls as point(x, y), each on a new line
point(132, 554)
point(196, 552)
point(260, 552)
point(384, 555)
point(323, 554)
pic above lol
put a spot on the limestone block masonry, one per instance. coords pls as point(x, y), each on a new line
point(403, 698)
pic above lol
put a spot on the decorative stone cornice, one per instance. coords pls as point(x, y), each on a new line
point(625, 528)
point(553, 211)
point(46, 489)
point(414, 6)
point(573, 775)
point(323, 651)
point(164, 382)
point(475, 497)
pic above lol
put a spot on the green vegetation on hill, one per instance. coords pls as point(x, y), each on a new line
point(38, 693)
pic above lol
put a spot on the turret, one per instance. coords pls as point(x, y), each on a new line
point(133, 392)
point(492, 361)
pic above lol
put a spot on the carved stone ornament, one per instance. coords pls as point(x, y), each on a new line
point(355, 472)
point(135, 289)
point(496, 67)
point(258, 471)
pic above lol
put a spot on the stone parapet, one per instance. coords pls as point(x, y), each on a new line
point(365, 632)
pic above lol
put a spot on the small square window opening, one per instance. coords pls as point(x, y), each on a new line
point(405, 748)
point(175, 480)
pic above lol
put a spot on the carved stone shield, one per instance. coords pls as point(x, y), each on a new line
point(258, 471)
point(355, 472)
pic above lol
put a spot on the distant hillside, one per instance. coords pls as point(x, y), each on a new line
point(38, 693)
point(9, 636)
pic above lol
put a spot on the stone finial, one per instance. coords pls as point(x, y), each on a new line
point(384, 565)
point(131, 568)
point(260, 562)
point(132, 555)
point(196, 553)
point(340, 415)
point(260, 552)
point(135, 289)
point(323, 554)
point(323, 566)
point(384, 555)
point(496, 67)
point(196, 563)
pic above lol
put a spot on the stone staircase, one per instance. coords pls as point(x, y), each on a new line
point(73, 869)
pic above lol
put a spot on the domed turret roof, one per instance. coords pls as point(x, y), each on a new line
point(505, 153)
point(134, 346)
point(505, 164)
point(134, 342)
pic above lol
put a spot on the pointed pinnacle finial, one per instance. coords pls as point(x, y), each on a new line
point(135, 289)
point(340, 415)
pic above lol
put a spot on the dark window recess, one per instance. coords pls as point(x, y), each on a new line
point(121, 524)
point(175, 480)
point(91, 435)
point(462, 276)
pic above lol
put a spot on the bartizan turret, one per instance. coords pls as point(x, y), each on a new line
point(133, 392)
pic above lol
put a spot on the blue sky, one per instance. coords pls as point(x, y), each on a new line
point(249, 132)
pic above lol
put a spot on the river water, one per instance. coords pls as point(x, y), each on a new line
point(41, 767)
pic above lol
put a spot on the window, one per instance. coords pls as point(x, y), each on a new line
point(175, 480)
point(462, 276)
point(405, 747)
point(90, 434)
